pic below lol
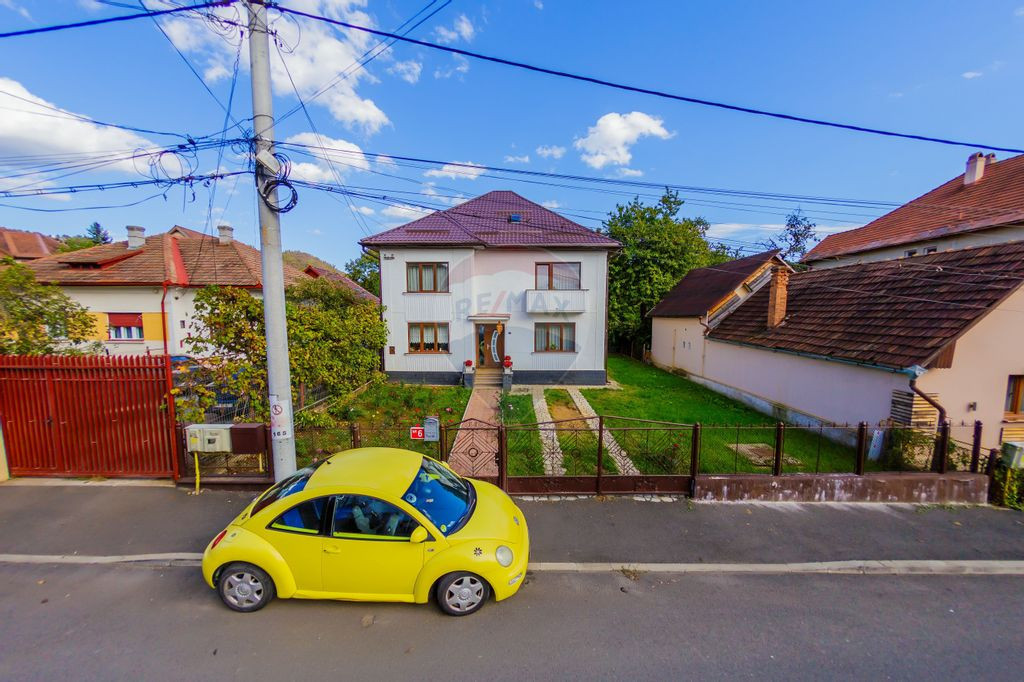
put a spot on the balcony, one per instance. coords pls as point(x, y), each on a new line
point(555, 301)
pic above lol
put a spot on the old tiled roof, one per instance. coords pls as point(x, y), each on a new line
point(22, 245)
point(486, 221)
point(894, 313)
point(181, 257)
point(996, 199)
point(342, 279)
point(704, 288)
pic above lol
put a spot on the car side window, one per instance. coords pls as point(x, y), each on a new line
point(361, 516)
point(306, 517)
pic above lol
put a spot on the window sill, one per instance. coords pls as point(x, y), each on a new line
point(428, 352)
point(554, 352)
point(125, 341)
point(1013, 417)
point(420, 293)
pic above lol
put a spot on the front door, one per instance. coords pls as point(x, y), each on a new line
point(490, 343)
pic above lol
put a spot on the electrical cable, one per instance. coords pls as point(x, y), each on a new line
point(111, 20)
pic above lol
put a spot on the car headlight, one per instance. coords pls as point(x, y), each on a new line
point(504, 556)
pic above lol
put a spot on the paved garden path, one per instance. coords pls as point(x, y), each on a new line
point(618, 455)
point(554, 461)
point(474, 452)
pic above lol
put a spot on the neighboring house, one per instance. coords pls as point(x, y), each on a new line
point(985, 205)
point(141, 291)
point(842, 345)
point(699, 302)
point(497, 275)
point(342, 280)
point(26, 246)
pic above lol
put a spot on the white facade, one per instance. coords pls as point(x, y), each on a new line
point(496, 287)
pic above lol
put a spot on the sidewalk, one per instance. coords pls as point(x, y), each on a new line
point(127, 520)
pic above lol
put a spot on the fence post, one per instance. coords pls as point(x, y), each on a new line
point(942, 447)
point(442, 449)
point(502, 458)
point(780, 439)
point(694, 458)
point(600, 451)
point(862, 448)
point(976, 447)
point(990, 465)
point(353, 429)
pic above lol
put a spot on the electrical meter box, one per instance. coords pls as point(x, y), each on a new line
point(208, 437)
point(1013, 455)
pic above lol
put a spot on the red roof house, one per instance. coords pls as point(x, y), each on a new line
point(25, 246)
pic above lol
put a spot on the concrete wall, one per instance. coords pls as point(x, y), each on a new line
point(678, 343)
point(491, 282)
point(1000, 235)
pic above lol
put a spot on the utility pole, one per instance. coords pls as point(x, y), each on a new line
point(278, 373)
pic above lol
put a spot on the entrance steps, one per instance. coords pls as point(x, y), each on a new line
point(487, 377)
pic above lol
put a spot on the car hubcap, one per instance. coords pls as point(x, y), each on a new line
point(243, 589)
point(464, 593)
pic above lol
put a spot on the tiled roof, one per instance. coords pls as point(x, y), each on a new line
point(703, 288)
point(485, 221)
point(996, 199)
point(181, 256)
point(342, 279)
point(23, 245)
point(894, 313)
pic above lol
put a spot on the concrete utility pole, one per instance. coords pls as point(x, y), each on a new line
point(278, 373)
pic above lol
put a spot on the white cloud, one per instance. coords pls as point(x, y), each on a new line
point(525, 158)
point(970, 75)
point(551, 203)
point(318, 53)
point(461, 66)
point(405, 212)
point(551, 151)
point(408, 71)
point(609, 140)
point(345, 156)
point(465, 169)
point(630, 173)
point(1019, 12)
point(462, 28)
point(386, 161)
point(538, 4)
point(365, 210)
point(430, 190)
point(15, 7)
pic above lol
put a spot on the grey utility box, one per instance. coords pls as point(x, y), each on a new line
point(208, 437)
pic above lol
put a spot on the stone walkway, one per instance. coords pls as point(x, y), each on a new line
point(554, 461)
point(618, 455)
point(474, 452)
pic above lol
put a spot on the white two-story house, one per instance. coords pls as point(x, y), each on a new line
point(497, 276)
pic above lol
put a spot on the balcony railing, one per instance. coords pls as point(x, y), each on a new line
point(555, 301)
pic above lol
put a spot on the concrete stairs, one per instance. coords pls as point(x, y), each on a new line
point(487, 378)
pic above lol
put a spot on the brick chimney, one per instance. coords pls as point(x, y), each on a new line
point(976, 167)
point(136, 236)
point(777, 292)
point(225, 233)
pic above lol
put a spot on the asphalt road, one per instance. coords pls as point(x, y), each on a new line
point(144, 623)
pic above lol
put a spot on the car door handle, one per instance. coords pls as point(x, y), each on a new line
point(332, 550)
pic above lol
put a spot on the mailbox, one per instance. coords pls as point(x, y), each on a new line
point(208, 437)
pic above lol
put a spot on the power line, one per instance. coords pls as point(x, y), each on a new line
point(645, 91)
point(111, 20)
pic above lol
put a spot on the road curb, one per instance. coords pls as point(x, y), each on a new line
point(856, 567)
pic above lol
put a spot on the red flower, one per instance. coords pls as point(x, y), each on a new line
point(508, 362)
point(468, 363)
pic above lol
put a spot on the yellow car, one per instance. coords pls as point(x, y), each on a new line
point(373, 524)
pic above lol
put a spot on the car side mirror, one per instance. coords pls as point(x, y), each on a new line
point(419, 535)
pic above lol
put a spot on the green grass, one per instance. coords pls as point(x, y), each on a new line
point(650, 393)
point(577, 441)
point(524, 449)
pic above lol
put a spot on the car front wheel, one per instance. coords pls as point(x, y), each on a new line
point(244, 587)
point(462, 593)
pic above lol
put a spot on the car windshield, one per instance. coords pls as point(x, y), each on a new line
point(289, 486)
point(441, 496)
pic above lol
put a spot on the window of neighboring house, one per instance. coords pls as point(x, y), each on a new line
point(125, 326)
point(428, 337)
point(426, 277)
point(1015, 395)
point(931, 249)
point(554, 337)
point(557, 275)
point(910, 252)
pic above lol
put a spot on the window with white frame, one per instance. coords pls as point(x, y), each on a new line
point(125, 326)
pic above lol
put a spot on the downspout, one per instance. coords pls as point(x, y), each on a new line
point(915, 372)
point(704, 342)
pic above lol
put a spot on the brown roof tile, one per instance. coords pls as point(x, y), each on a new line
point(23, 245)
point(703, 288)
point(894, 313)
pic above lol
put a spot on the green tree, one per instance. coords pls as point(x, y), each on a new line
point(94, 235)
point(334, 342)
point(365, 271)
point(658, 248)
point(97, 234)
point(796, 237)
point(39, 319)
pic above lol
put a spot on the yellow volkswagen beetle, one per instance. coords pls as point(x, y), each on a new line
point(372, 524)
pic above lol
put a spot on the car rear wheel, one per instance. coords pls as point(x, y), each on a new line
point(244, 587)
point(460, 594)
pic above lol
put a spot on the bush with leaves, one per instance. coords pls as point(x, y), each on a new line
point(334, 341)
point(40, 319)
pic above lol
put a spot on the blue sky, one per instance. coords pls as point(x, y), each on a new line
point(948, 69)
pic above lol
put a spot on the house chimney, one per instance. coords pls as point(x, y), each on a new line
point(226, 233)
point(136, 236)
point(976, 167)
point(777, 292)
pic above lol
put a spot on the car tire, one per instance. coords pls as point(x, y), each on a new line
point(462, 593)
point(245, 587)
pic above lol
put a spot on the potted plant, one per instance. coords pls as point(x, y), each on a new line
point(467, 374)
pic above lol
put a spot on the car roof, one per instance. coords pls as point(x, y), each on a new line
point(389, 470)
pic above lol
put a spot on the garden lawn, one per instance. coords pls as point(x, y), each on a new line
point(524, 449)
point(577, 441)
point(727, 425)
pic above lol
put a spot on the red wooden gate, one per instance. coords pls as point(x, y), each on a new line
point(87, 416)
